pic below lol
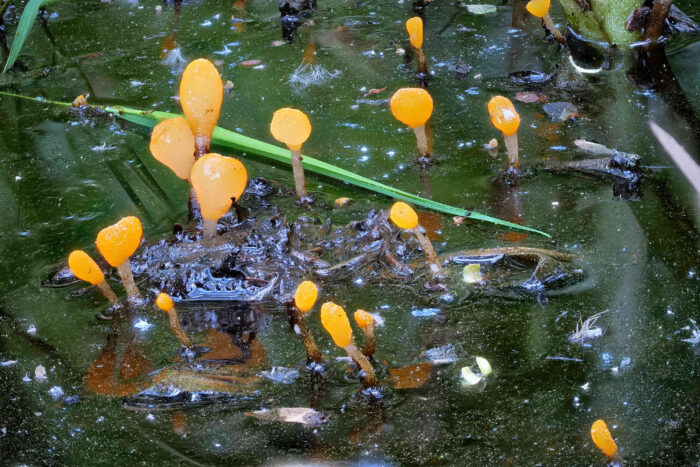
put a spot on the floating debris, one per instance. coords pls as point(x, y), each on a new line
point(481, 9)
point(342, 201)
point(472, 274)
point(81, 101)
point(102, 147)
point(250, 63)
point(560, 111)
point(425, 312)
point(530, 97)
point(281, 374)
point(411, 376)
point(585, 330)
point(441, 355)
point(40, 374)
point(694, 338)
point(308, 74)
point(8, 363)
point(56, 392)
point(301, 415)
point(469, 378)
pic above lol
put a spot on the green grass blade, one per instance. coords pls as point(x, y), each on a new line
point(26, 22)
point(233, 140)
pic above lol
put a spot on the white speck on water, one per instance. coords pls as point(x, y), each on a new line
point(358, 281)
point(136, 83)
point(217, 445)
point(555, 204)
point(40, 374)
point(56, 392)
point(18, 178)
point(150, 417)
point(102, 147)
point(363, 158)
point(26, 378)
point(31, 330)
point(8, 363)
point(205, 24)
point(100, 419)
point(425, 312)
point(279, 374)
point(586, 386)
point(364, 149)
point(391, 153)
point(142, 325)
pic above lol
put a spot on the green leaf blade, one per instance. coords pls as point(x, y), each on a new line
point(26, 22)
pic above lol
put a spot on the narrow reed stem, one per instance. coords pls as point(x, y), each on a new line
point(370, 379)
point(127, 277)
point(430, 255)
point(208, 228)
point(549, 24)
point(512, 148)
point(108, 293)
point(422, 142)
point(299, 180)
point(296, 321)
point(177, 329)
point(368, 349)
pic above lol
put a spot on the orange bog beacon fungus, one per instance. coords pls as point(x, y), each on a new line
point(603, 439)
point(116, 244)
point(292, 127)
point(85, 268)
point(414, 26)
point(406, 218)
point(172, 144)
point(335, 321)
point(506, 119)
point(305, 296)
point(413, 107)
point(201, 95)
point(304, 299)
point(365, 321)
point(165, 303)
point(540, 8)
point(216, 180)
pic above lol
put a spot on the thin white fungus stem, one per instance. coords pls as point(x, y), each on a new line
point(421, 141)
point(108, 292)
point(370, 378)
point(125, 273)
point(512, 148)
point(299, 180)
point(430, 255)
point(177, 329)
point(553, 29)
point(208, 228)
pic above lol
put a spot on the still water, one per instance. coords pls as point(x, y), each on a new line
point(66, 175)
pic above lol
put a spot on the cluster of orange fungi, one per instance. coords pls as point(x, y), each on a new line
point(183, 146)
point(116, 244)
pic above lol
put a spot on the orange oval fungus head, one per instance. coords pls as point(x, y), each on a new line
point(403, 215)
point(291, 127)
point(603, 439)
point(503, 115)
point(84, 267)
point(414, 26)
point(363, 319)
point(336, 322)
point(201, 94)
point(305, 296)
point(538, 8)
point(164, 302)
point(216, 179)
point(411, 106)
point(119, 241)
point(172, 144)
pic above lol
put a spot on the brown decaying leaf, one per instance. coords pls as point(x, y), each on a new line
point(373, 91)
point(250, 63)
point(530, 97)
point(410, 377)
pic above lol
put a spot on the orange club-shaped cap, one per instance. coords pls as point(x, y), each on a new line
point(503, 115)
point(119, 241)
point(84, 267)
point(403, 215)
point(412, 106)
point(164, 302)
point(335, 321)
point(414, 26)
point(538, 8)
point(216, 179)
point(305, 296)
point(363, 319)
point(201, 94)
point(172, 144)
point(291, 127)
point(602, 438)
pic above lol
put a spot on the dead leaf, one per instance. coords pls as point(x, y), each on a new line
point(250, 63)
point(410, 377)
point(302, 415)
point(530, 97)
point(373, 91)
point(342, 201)
point(40, 374)
point(277, 43)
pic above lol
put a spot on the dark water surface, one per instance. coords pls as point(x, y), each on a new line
point(64, 177)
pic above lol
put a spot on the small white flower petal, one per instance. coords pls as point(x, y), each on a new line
point(484, 366)
point(468, 376)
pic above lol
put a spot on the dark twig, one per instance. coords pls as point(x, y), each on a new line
point(658, 19)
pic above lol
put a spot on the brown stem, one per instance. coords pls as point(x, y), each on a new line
point(296, 321)
point(208, 228)
point(430, 255)
point(549, 24)
point(177, 329)
point(125, 273)
point(422, 142)
point(299, 180)
point(370, 379)
point(422, 63)
point(659, 12)
point(202, 144)
point(512, 148)
point(194, 212)
point(368, 349)
point(108, 293)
